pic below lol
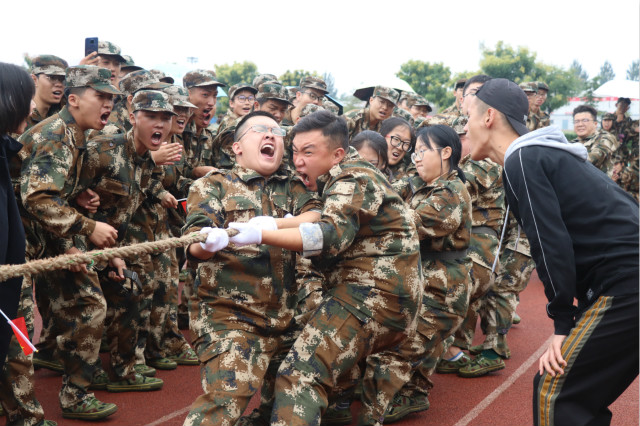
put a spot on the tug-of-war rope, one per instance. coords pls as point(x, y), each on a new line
point(67, 260)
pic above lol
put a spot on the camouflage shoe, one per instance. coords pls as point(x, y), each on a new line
point(99, 381)
point(186, 357)
point(145, 370)
point(337, 413)
point(138, 384)
point(40, 360)
point(402, 406)
point(476, 349)
point(162, 364)
point(446, 367)
point(89, 409)
point(481, 366)
point(516, 318)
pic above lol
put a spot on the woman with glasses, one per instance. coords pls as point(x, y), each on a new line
point(441, 207)
point(400, 137)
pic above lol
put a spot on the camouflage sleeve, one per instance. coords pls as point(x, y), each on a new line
point(602, 150)
point(156, 191)
point(204, 206)
point(303, 200)
point(402, 187)
point(438, 215)
point(44, 178)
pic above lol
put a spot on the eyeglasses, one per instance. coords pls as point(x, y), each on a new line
point(396, 142)
point(261, 128)
point(419, 155)
point(314, 97)
point(583, 121)
point(471, 92)
point(243, 98)
point(54, 78)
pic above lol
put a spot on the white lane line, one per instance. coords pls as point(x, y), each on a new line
point(504, 386)
point(170, 416)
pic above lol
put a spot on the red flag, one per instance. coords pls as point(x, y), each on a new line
point(183, 204)
point(22, 326)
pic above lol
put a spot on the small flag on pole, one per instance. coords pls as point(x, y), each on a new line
point(17, 325)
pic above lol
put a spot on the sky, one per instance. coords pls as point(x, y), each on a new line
point(358, 42)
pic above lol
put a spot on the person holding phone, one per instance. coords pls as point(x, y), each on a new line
point(107, 55)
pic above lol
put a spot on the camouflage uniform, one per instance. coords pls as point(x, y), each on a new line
point(514, 272)
point(405, 115)
point(367, 246)
point(628, 150)
point(601, 147)
point(244, 298)
point(52, 160)
point(484, 183)
point(538, 120)
point(48, 65)
point(628, 180)
point(442, 213)
point(453, 111)
point(359, 119)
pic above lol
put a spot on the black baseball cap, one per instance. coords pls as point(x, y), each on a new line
point(508, 98)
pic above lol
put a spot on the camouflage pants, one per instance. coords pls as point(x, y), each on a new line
point(330, 345)
point(172, 341)
point(17, 387)
point(233, 364)
point(481, 282)
point(77, 307)
point(499, 304)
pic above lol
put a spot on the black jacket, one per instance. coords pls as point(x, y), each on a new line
point(583, 229)
point(12, 242)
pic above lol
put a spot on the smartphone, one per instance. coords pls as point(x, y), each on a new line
point(90, 45)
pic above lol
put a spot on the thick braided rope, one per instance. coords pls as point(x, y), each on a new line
point(66, 260)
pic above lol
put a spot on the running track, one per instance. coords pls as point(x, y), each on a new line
point(500, 399)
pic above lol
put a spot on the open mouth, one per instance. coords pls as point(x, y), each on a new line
point(395, 154)
point(305, 178)
point(206, 114)
point(181, 122)
point(268, 150)
point(104, 118)
point(156, 138)
point(57, 93)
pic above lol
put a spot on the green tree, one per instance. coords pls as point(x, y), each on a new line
point(292, 78)
point(331, 84)
point(238, 72)
point(506, 62)
point(431, 80)
point(606, 73)
point(633, 73)
point(577, 69)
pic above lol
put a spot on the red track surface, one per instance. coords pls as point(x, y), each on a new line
point(502, 398)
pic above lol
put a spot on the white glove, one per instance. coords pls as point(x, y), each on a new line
point(265, 223)
point(249, 234)
point(216, 240)
point(288, 215)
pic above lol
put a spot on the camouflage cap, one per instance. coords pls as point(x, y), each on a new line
point(97, 78)
point(404, 114)
point(241, 86)
point(459, 124)
point(200, 78)
point(316, 83)
point(162, 76)
point(110, 49)
point(138, 80)
point(542, 85)
point(529, 87)
point(387, 93)
point(330, 106)
point(409, 97)
point(49, 65)
point(422, 101)
point(460, 84)
point(310, 109)
point(292, 92)
point(179, 96)
point(151, 100)
point(273, 91)
point(129, 64)
point(264, 78)
point(609, 116)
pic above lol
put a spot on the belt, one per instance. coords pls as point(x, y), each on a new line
point(484, 230)
point(443, 255)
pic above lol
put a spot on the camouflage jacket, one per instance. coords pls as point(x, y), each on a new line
point(515, 239)
point(198, 149)
point(250, 288)
point(122, 178)
point(601, 147)
point(628, 180)
point(453, 110)
point(358, 120)
point(229, 118)
point(538, 120)
point(484, 183)
point(223, 156)
point(442, 214)
point(35, 117)
point(366, 244)
point(52, 159)
point(628, 150)
point(287, 120)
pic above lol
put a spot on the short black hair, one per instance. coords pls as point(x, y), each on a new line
point(16, 91)
point(375, 141)
point(480, 78)
point(332, 126)
point(78, 91)
point(586, 108)
point(242, 124)
point(444, 136)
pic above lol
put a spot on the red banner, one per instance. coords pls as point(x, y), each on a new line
point(22, 326)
